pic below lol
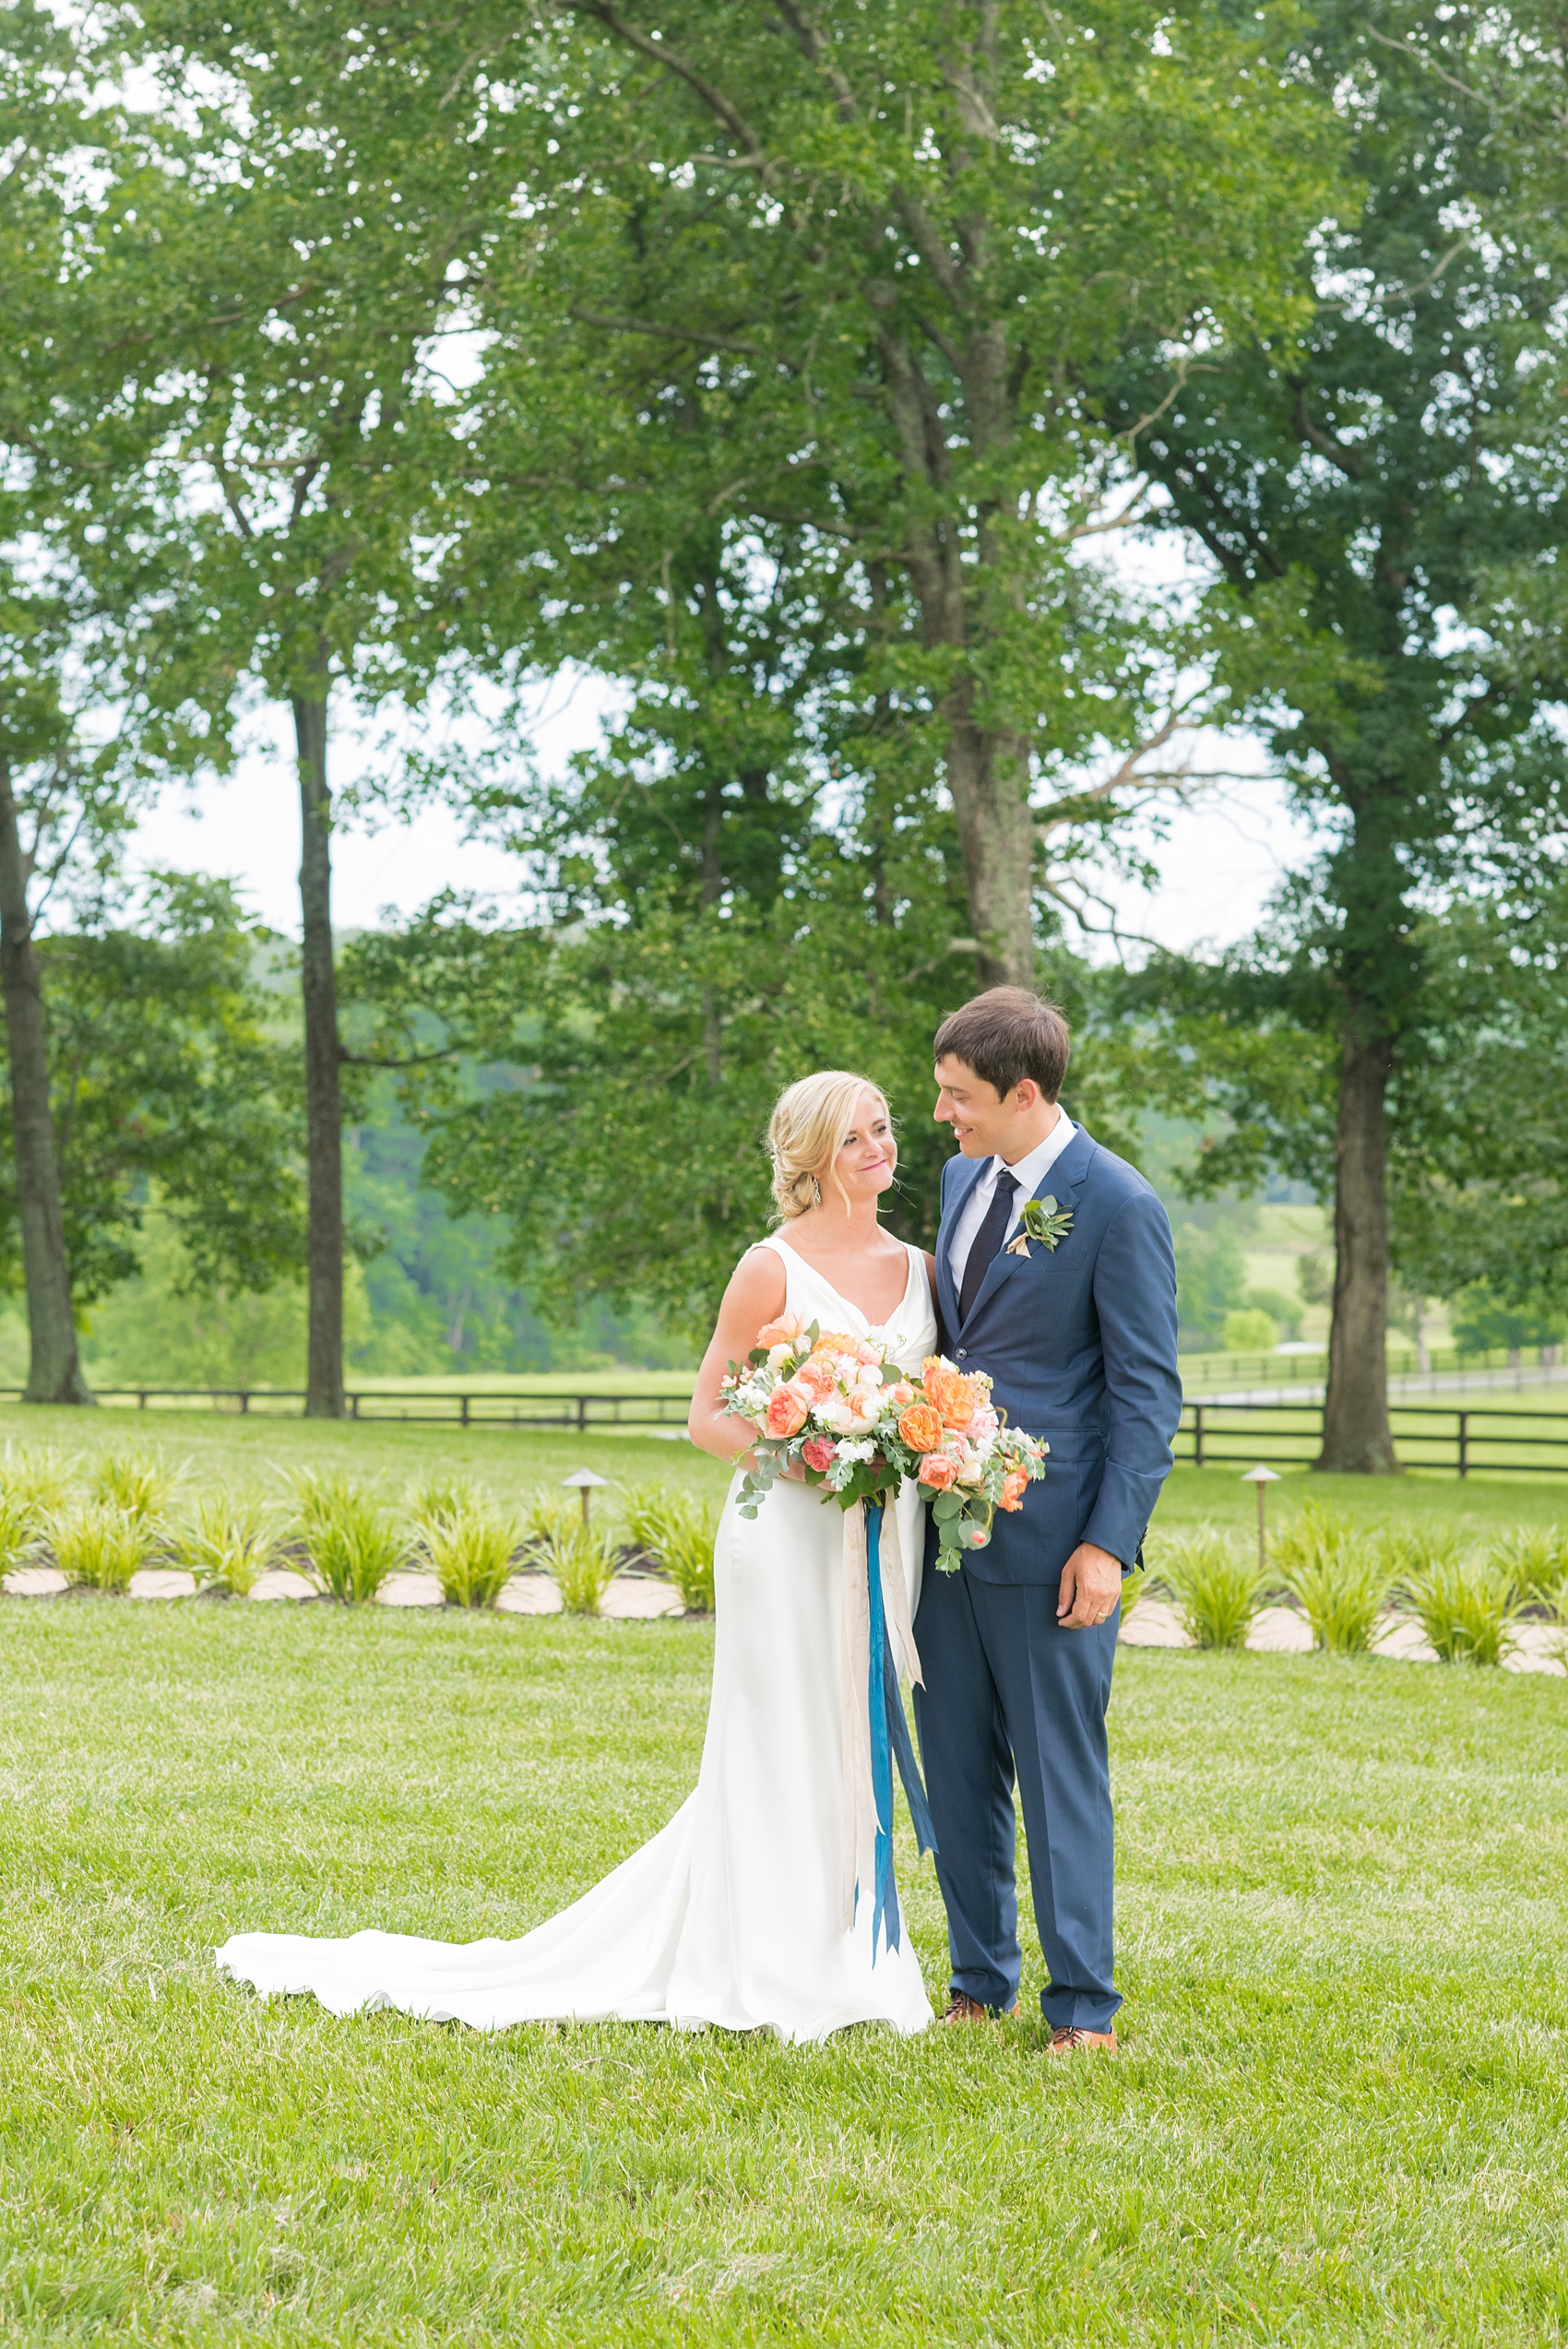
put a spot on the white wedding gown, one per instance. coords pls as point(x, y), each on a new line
point(733, 1914)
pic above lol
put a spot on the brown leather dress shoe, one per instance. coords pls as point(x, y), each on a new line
point(1072, 2035)
point(961, 2008)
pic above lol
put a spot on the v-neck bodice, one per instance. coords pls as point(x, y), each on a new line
point(911, 1324)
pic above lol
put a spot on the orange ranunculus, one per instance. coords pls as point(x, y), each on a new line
point(1014, 1488)
point(786, 1408)
point(921, 1428)
point(953, 1394)
point(937, 1471)
point(783, 1331)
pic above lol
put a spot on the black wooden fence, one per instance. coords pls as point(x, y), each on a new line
point(1464, 1440)
point(473, 1408)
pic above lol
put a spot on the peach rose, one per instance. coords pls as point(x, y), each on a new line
point(788, 1406)
point(937, 1471)
point(1014, 1488)
point(817, 1453)
point(899, 1396)
point(921, 1428)
point(953, 1395)
point(783, 1331)
point(816, 1376)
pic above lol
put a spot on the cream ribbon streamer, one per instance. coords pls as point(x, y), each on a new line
point(860, 1799)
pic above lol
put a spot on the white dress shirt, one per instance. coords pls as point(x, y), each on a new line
point(1028, 1172)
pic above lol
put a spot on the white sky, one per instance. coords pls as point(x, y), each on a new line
point(1218, 862)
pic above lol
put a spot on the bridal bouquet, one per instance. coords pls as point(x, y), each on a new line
point(860, 1427)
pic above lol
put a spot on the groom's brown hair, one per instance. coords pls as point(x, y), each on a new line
point(1006, 1035)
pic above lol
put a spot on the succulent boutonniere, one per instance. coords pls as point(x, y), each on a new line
point(1044, 1221)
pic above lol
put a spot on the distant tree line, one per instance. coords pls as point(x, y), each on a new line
point(790, 368)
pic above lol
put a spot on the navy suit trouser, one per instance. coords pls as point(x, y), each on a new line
point(1009, 1694)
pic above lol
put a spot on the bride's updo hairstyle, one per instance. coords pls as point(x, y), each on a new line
point(805, 1132)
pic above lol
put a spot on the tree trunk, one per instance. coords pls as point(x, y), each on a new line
point(988, 767)
point(324, 1114)
point(988, 775)
point(55, 1372)
point(1356, 1441)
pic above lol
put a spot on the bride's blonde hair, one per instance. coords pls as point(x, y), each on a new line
point(805, 1132)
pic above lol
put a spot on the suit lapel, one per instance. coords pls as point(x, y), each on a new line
point(1063, 1182)
point(947, 1293)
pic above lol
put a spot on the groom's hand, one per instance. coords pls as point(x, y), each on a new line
point(1091, 1584)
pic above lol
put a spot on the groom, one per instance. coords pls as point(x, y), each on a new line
point(1016, 1647)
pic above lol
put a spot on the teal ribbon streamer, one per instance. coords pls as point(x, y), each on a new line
point(889, 1737)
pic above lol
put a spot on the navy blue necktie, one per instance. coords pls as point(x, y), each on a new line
point(988, 1240)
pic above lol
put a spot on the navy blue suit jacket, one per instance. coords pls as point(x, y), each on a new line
point(1080, 1343)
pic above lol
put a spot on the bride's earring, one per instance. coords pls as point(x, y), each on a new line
point(817, 1193)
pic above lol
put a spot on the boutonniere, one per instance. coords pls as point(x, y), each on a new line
point(1044, 1221)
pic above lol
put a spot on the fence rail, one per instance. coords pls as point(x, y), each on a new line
point(468, 1408)
point(1463, 1439)
point(1495, 1443)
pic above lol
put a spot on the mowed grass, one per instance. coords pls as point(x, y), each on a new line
point(219, 1450)
point(1338, 2117)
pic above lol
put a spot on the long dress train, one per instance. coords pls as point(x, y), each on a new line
point(733, 1914)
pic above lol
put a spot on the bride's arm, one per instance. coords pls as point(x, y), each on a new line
point(756, 1294)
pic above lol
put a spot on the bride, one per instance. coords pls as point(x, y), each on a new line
point(733, 1914)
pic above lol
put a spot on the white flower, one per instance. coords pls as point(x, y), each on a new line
point(837, 1415)
point(855, 1450)
point(778, 1355)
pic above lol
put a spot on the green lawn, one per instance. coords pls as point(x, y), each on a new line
point(1338, 2118)
point(219, 1447)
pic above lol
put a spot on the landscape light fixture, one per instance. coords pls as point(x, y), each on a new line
point(1262, 1477)
point(583, 1480)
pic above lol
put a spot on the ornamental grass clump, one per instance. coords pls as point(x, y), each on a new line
point(143, 1484)
point(438, 1497)
point(1215, 1587)
point(679, 1533)
point(1466, 1607)
point(41, 1480)
point(581, 1562)
point(1341, 1585)
point(470, 1548)
point(97, 1546)
point(1534, 1558)
point(544, 1515)
point(228, 1543)
point(20, 1530)
point(352, 1540)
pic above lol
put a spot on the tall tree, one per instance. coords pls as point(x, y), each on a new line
point(309, 213)
point(1355, 486)
point(167, 1087)
point(848, 268)
point(60, 797)
point(51, 791)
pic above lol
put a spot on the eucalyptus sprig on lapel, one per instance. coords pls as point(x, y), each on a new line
point(1044, 1221)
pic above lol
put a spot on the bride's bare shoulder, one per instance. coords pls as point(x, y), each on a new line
point(759, 1279)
